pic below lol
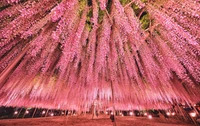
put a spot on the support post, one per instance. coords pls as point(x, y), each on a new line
point(46, 112)
point(19, 113)
point(34, 112)
point(65, 112)
point(24, 113)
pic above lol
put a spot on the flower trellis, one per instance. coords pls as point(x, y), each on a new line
point(64, 53)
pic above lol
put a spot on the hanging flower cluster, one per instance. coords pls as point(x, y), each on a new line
point(66, 54)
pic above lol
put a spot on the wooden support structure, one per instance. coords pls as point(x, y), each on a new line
point(65, 112)
point(24, 113)
point(46, 112)
point(19, 113)
point(34, 112)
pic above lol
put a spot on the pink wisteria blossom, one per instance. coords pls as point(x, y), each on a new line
point(68, 54)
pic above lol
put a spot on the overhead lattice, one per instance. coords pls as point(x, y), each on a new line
point(68, 53)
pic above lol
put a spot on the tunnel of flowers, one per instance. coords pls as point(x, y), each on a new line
point(125, 54)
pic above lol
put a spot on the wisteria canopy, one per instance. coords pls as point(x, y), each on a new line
point(69, 54)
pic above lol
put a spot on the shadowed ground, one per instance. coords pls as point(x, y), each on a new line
point(87, 121)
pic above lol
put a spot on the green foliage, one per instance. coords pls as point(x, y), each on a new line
point(124, 2)
point(145, 20)
point(88, 20)
point(82, 5)
point(144, 1)
point(101, 15)
point(136, 9)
